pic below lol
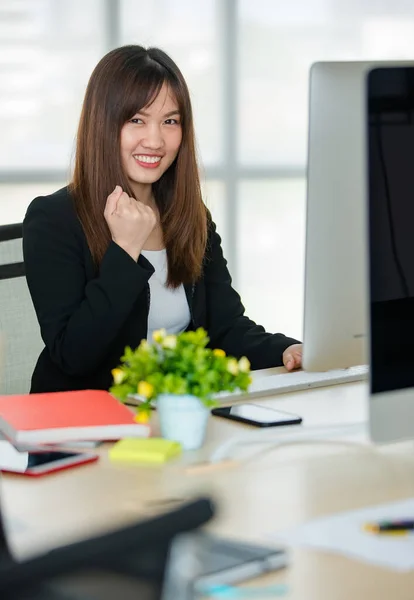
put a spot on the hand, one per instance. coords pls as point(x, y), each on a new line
point(292, 357)
point(130, 221)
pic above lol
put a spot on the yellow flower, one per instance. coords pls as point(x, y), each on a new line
point(219, 352)
point(145, 389)
point(232, 366)
point(118, 375)
point(170, 341)
point(244, 365)
point(159, 335)
point(142, 416)
point(144, 345)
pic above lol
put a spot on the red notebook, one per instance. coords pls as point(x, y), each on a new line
point(66, 416)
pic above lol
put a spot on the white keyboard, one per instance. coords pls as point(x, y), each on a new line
point(298, 380)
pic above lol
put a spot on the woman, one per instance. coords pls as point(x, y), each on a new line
point(129, 246)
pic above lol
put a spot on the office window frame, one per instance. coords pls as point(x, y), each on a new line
point(230, 172)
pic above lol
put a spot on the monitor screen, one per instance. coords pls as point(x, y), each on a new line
point(390, 97)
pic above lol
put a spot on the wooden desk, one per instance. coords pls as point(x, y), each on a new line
point(281, 488)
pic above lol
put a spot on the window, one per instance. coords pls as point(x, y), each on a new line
point(246, 65)
point(47, 51)
point(188, 32)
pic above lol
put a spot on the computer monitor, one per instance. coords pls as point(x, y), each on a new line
point(335, 319)
point(390, 107)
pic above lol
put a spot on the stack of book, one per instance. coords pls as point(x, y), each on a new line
point(66, 417)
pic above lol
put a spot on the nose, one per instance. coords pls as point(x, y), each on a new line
point(153, 139)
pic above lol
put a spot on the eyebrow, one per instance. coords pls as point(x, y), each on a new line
point(169, 114)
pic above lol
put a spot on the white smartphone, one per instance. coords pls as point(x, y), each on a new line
point(199, 561)
point(36, 461)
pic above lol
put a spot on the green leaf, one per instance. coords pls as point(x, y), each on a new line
point(189, 368)
point(122, 391)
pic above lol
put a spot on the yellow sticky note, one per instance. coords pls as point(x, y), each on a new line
point(144, 450)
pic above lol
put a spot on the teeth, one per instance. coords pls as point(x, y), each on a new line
point(148, 159)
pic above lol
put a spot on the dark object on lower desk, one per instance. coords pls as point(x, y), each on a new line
point(131, 561)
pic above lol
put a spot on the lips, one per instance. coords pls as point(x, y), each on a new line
point(147, 161)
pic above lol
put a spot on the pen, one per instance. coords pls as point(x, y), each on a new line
point(403, 526)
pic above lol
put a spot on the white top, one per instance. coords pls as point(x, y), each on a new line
point(169, 308)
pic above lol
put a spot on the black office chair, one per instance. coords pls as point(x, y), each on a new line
point(129, 563)
point(20, 339)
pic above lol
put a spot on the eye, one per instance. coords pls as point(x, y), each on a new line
point(136, 121)
point(172, 122)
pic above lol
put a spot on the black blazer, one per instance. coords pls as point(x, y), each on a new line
point(88, 317)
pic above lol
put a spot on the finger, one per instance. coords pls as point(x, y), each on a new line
point(141, 206)
point(289, 362)
point(298, 359)
point(143, 209)
point(112, 200)
point(123, 205)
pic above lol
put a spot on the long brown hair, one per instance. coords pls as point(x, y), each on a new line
point(125, 81)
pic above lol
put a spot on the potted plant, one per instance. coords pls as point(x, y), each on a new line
point(182, 376)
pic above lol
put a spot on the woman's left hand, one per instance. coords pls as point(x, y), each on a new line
point(292, 357)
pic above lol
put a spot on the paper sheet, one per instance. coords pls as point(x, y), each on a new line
point(343, 534)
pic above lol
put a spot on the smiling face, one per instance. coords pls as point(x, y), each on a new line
point(150, 141)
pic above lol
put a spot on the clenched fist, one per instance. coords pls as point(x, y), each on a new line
point(130, 221)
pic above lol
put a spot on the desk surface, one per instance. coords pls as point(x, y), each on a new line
point(280, 488)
